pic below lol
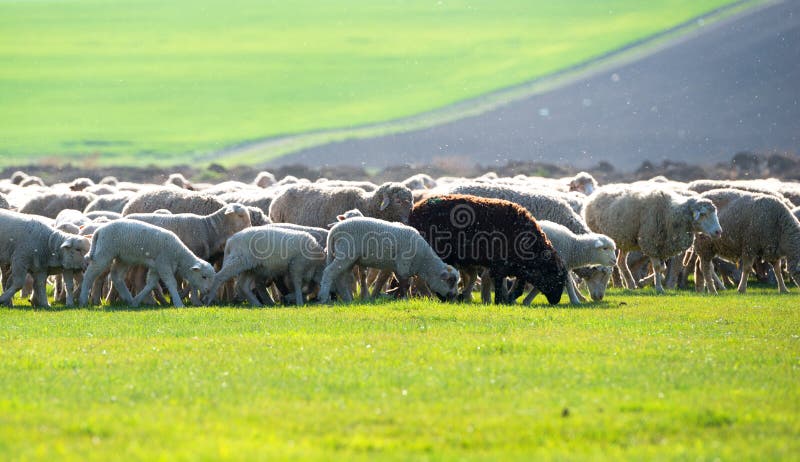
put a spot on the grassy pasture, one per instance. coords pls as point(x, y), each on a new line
point(637, 377)
point(145, 81)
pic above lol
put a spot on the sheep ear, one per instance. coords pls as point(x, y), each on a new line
point(342, 217)
point(598, 244)
point(696, 215)
point(67, 244)
point(196, 267)
point(385, 202)
point(229, 210)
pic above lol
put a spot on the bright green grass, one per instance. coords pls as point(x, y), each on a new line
point(146, 81)
point(642, 377)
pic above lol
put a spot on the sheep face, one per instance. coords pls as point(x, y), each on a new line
point(605, 251)
point(395, 202)
point(236, 218)
point(597, 278)
point(73, 251)
point(704, 218)
point(547, 273)
point(200, 276)
point(446, 284)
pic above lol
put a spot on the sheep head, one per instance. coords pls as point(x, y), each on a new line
point(73, 250)
point(605, 250)
point(392, 202)
point(236, 218)
point(704, 217)
point(445, 284)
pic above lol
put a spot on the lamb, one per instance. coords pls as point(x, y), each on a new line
point(540, 204)
point(75, 217)
point(757, 226)
point(370, 242)
point(125, 243)
point(468, 231)
point(30, 245)
point(314, 205)
point(51, 203)
point(655, 220)
point(577, 250)
point(173, 199)
point(205, 235)
point(271, 252)
point(109, 203)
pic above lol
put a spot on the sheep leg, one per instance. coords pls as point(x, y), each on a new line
point(747, 266)
point(118, 271)
point(570, 286)
point(39, 298)
point(707, 268)
point(531, 295)
point(717, 281)
point(93, 271)
point(500, 290)
point(658, 273)
point(244, 285)
point(470, 276)
point(332, 273)
point(228, 271)
point(69, 287)
point(778, 270)
point(380, 282)
point(699, 277)
point(97, 289)
point(6, 272)
point(486, 287)
point(172, 287)
point(151, 281)
point(624, 271)
point(674, 269)
point(297, 285)
point(16, 281)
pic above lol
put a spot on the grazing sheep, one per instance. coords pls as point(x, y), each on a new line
point(578, 250)
point(50, 204)
point(655, 220)
point(30, 245)
point(75, 217)
point(270, 253)
point(374, 243)
point(264, 180)
point(757, 226)
point(499, 235)
point(314, 205)
point(173, 199)
point(109, 203)
point(124, 243)
point(205, 235)
point(540, 204)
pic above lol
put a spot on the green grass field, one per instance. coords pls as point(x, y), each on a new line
point(637, 377)
point(143, 81)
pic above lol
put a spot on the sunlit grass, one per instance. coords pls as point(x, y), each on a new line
point(637, 377)
point(145, 81)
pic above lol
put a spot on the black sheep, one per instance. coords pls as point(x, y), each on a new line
point(496, 234)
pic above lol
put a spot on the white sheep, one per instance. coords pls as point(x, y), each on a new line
point(383, 245)
point(655, 220)
point(49, 204)
point(577, 250)
point(173, 199)
point(124, 243)
point(270, 253)
point(30, 245)
point(315, 205)
point(757, 226)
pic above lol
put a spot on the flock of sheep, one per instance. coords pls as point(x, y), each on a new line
point(295, 241)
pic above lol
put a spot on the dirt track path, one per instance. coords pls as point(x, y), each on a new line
point(735, 85)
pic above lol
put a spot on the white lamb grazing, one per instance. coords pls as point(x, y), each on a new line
point(375, 243)
point(578, 250)
point(269, 252)
point(30, 245)
point(125, 243)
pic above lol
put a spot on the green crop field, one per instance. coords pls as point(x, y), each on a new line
point(636, 377)
point(144, 81)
